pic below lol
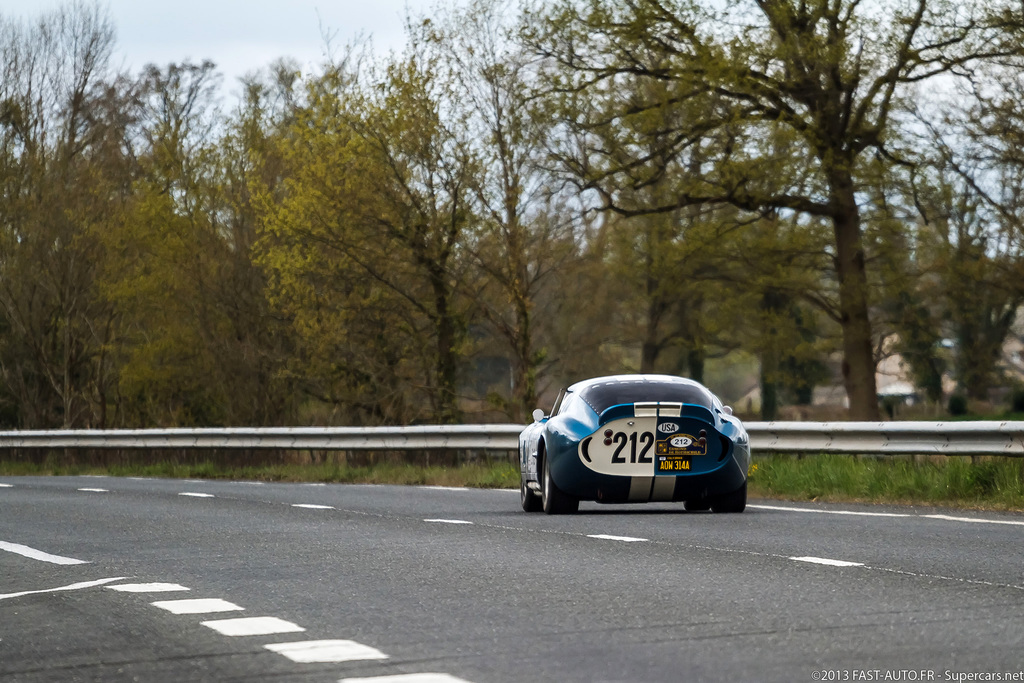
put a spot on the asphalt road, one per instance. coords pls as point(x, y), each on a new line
point(380, 582)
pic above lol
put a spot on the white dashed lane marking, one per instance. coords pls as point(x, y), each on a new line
point(311, 506)
point(830, 512)
point(826, 561)
point(447, 521)
point(196, 495)
point(857, 513)
point(197, 606)
point(95, 490)
point(973, 520)
point(625, 539)
point(253, 626)
point(407, 678)
point(34, 554)
point(319, 651)
point(444, 488)
point(6, 486)
point(148, 587)
point(72, 587)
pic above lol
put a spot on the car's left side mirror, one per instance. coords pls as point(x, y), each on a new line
point(538, 415)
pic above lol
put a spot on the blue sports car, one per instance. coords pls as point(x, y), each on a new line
point(633, 439)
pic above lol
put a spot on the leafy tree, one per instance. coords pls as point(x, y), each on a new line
point(525, 224)
point(830, 77)
point(369, 237)
point(62, 169)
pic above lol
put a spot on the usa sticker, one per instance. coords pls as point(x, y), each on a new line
point(668, 427)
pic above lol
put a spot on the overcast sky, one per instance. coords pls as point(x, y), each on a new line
point(240, 35)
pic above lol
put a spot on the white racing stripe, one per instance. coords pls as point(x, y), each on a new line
point(447, 521)
point(407, 678)
point(72, 587)
point(320, 651)
point(626, 539)
point(34, 554)
point(147, 587)
point(197, 606)
point(253, 626)
point(827, 561)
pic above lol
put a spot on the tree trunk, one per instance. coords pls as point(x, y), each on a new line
point(772, 302)
point(447, 341)
point(695, 364)
point(525, 366)
point(858, 355)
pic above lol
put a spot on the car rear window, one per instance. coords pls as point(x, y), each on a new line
point(602, 396)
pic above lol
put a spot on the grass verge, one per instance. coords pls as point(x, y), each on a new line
point(494, 475)
point(989, 483)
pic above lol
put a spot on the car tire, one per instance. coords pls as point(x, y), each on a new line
point(553, 500)
point(731, 502)
point(530, 501)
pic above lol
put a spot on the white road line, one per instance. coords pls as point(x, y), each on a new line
point(253, 626)
point(447, 521)
point(626, 539)
point(196, 495)
point(407, 678)
point(197, 606)
point(311, 506)
point(34, 554)
point(973, 520)
point(948, 518)
point(95, 490)
point(318, 651)
point(444, 488)
point(6, 486)
point(148, 587)
point(825, 560)
point(72, 587)
point(831, 512)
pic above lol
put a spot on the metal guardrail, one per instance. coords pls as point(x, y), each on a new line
point(881, 438)
point(889, 438)
point(493, 437)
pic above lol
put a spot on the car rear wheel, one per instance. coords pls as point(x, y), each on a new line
point(530, 501)
point(553, 500)
point(731, 502)
point(698, 505)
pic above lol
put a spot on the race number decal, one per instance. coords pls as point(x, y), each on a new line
point(622, 447)
point(645, 446)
